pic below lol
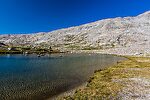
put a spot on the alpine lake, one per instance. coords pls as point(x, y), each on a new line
point(38, 78)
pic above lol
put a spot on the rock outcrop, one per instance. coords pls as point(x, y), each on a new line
point(127, 35)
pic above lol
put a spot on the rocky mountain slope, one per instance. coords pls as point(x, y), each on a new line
point(128, 35)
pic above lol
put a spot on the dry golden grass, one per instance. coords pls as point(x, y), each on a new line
point(109, 83)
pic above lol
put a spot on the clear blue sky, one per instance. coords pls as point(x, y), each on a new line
point(28, 16)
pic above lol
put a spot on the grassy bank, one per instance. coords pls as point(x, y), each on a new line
point(128, 80)
point(10, 52)
point(23, 50)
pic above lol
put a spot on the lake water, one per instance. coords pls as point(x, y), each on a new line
point(37, 78)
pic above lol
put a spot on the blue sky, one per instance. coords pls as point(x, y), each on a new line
point(29, 16)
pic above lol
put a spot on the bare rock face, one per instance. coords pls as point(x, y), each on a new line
point(127, 32)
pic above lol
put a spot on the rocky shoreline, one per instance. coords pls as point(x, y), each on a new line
point(73, 91)
point(127, 79)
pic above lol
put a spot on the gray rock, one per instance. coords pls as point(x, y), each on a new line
point(128, 33)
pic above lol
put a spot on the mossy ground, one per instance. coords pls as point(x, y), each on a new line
point(110, 83)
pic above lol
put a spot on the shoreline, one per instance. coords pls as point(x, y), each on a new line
point(115, 86)
point(71, 92)
point(68, 92)
point(90, 74)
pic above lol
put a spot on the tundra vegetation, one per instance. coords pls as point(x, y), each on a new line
point(9, 49)
point(127, 80)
